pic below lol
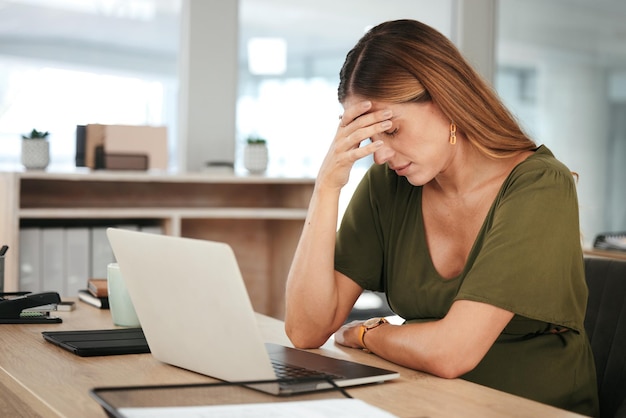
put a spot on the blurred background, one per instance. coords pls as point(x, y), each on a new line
point(560, 65)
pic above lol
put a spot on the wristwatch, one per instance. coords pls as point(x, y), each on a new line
point(368, 325)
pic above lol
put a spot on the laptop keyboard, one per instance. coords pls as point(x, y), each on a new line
point(285, 371)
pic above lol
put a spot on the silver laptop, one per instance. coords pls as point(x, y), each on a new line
point(195, 312)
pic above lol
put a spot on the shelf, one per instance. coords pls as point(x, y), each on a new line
point(158, 176)
point(158, 213)
point(261, 218)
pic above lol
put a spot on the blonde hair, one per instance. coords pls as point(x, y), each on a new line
point(405, 61)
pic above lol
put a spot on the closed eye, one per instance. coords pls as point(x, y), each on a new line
point(391, 133)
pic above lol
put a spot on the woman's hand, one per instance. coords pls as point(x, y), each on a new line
point(348, 334)
point(355, 125)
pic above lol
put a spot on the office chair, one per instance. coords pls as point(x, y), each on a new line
point(605, 323)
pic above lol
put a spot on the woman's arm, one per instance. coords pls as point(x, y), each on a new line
point(449, 347)
point(318, 299)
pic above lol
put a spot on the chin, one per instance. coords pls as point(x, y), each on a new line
point(415, 182)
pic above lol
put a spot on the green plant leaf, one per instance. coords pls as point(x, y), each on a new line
point(256, 140)
point(35, 134)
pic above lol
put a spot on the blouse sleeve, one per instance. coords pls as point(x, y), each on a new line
point(530, 261)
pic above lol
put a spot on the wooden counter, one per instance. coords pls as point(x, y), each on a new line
point(260, 217)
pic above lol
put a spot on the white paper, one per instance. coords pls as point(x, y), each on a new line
point(336, 408)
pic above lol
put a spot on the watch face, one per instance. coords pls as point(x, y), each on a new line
point(371, 322)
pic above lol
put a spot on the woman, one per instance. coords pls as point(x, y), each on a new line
point(469, 228)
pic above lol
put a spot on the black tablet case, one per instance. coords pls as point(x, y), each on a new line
point(107, 342)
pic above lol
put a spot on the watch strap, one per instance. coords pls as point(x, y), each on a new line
point(363, 329)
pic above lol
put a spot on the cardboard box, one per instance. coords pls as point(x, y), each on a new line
point(120, 140)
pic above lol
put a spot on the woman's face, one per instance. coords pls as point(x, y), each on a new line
point(417, 144)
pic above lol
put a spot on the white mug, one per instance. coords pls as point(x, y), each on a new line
point(120, 304)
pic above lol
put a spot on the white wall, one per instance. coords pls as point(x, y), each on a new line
point(573, 99)
point(208, 82)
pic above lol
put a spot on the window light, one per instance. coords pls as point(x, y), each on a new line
point(267, 56)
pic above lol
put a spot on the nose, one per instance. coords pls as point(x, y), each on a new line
point(383, 154)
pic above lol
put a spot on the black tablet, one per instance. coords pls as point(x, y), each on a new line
point(107, 342)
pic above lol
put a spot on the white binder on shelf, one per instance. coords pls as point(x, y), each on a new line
point(152, 229)
point(77, 256)
point(30, 252)
point(101, 252)
point(52, 259)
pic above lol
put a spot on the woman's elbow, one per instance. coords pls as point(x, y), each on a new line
point(448, 372)
point(301, 338)
point(448, 368)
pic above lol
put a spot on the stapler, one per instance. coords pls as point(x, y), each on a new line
point(19, 309)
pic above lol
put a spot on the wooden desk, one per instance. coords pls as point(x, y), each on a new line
point(619, 255)
point(40, 379)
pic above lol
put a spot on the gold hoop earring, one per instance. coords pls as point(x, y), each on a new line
point(452, 133)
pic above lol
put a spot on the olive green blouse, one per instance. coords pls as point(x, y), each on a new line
point(527, 259)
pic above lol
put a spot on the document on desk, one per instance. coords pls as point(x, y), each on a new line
point(337, 408)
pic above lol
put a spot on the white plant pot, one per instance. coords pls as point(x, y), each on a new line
point(35, 153)
point(255, 158)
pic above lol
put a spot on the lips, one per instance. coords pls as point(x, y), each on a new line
point(400, 170)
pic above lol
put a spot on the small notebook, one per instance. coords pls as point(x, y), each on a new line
point(98, 287)
point(107, 342)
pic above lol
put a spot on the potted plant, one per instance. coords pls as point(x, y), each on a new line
point(35, 150)
point(255, 154)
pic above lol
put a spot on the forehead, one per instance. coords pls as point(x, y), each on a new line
point(353, 100)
